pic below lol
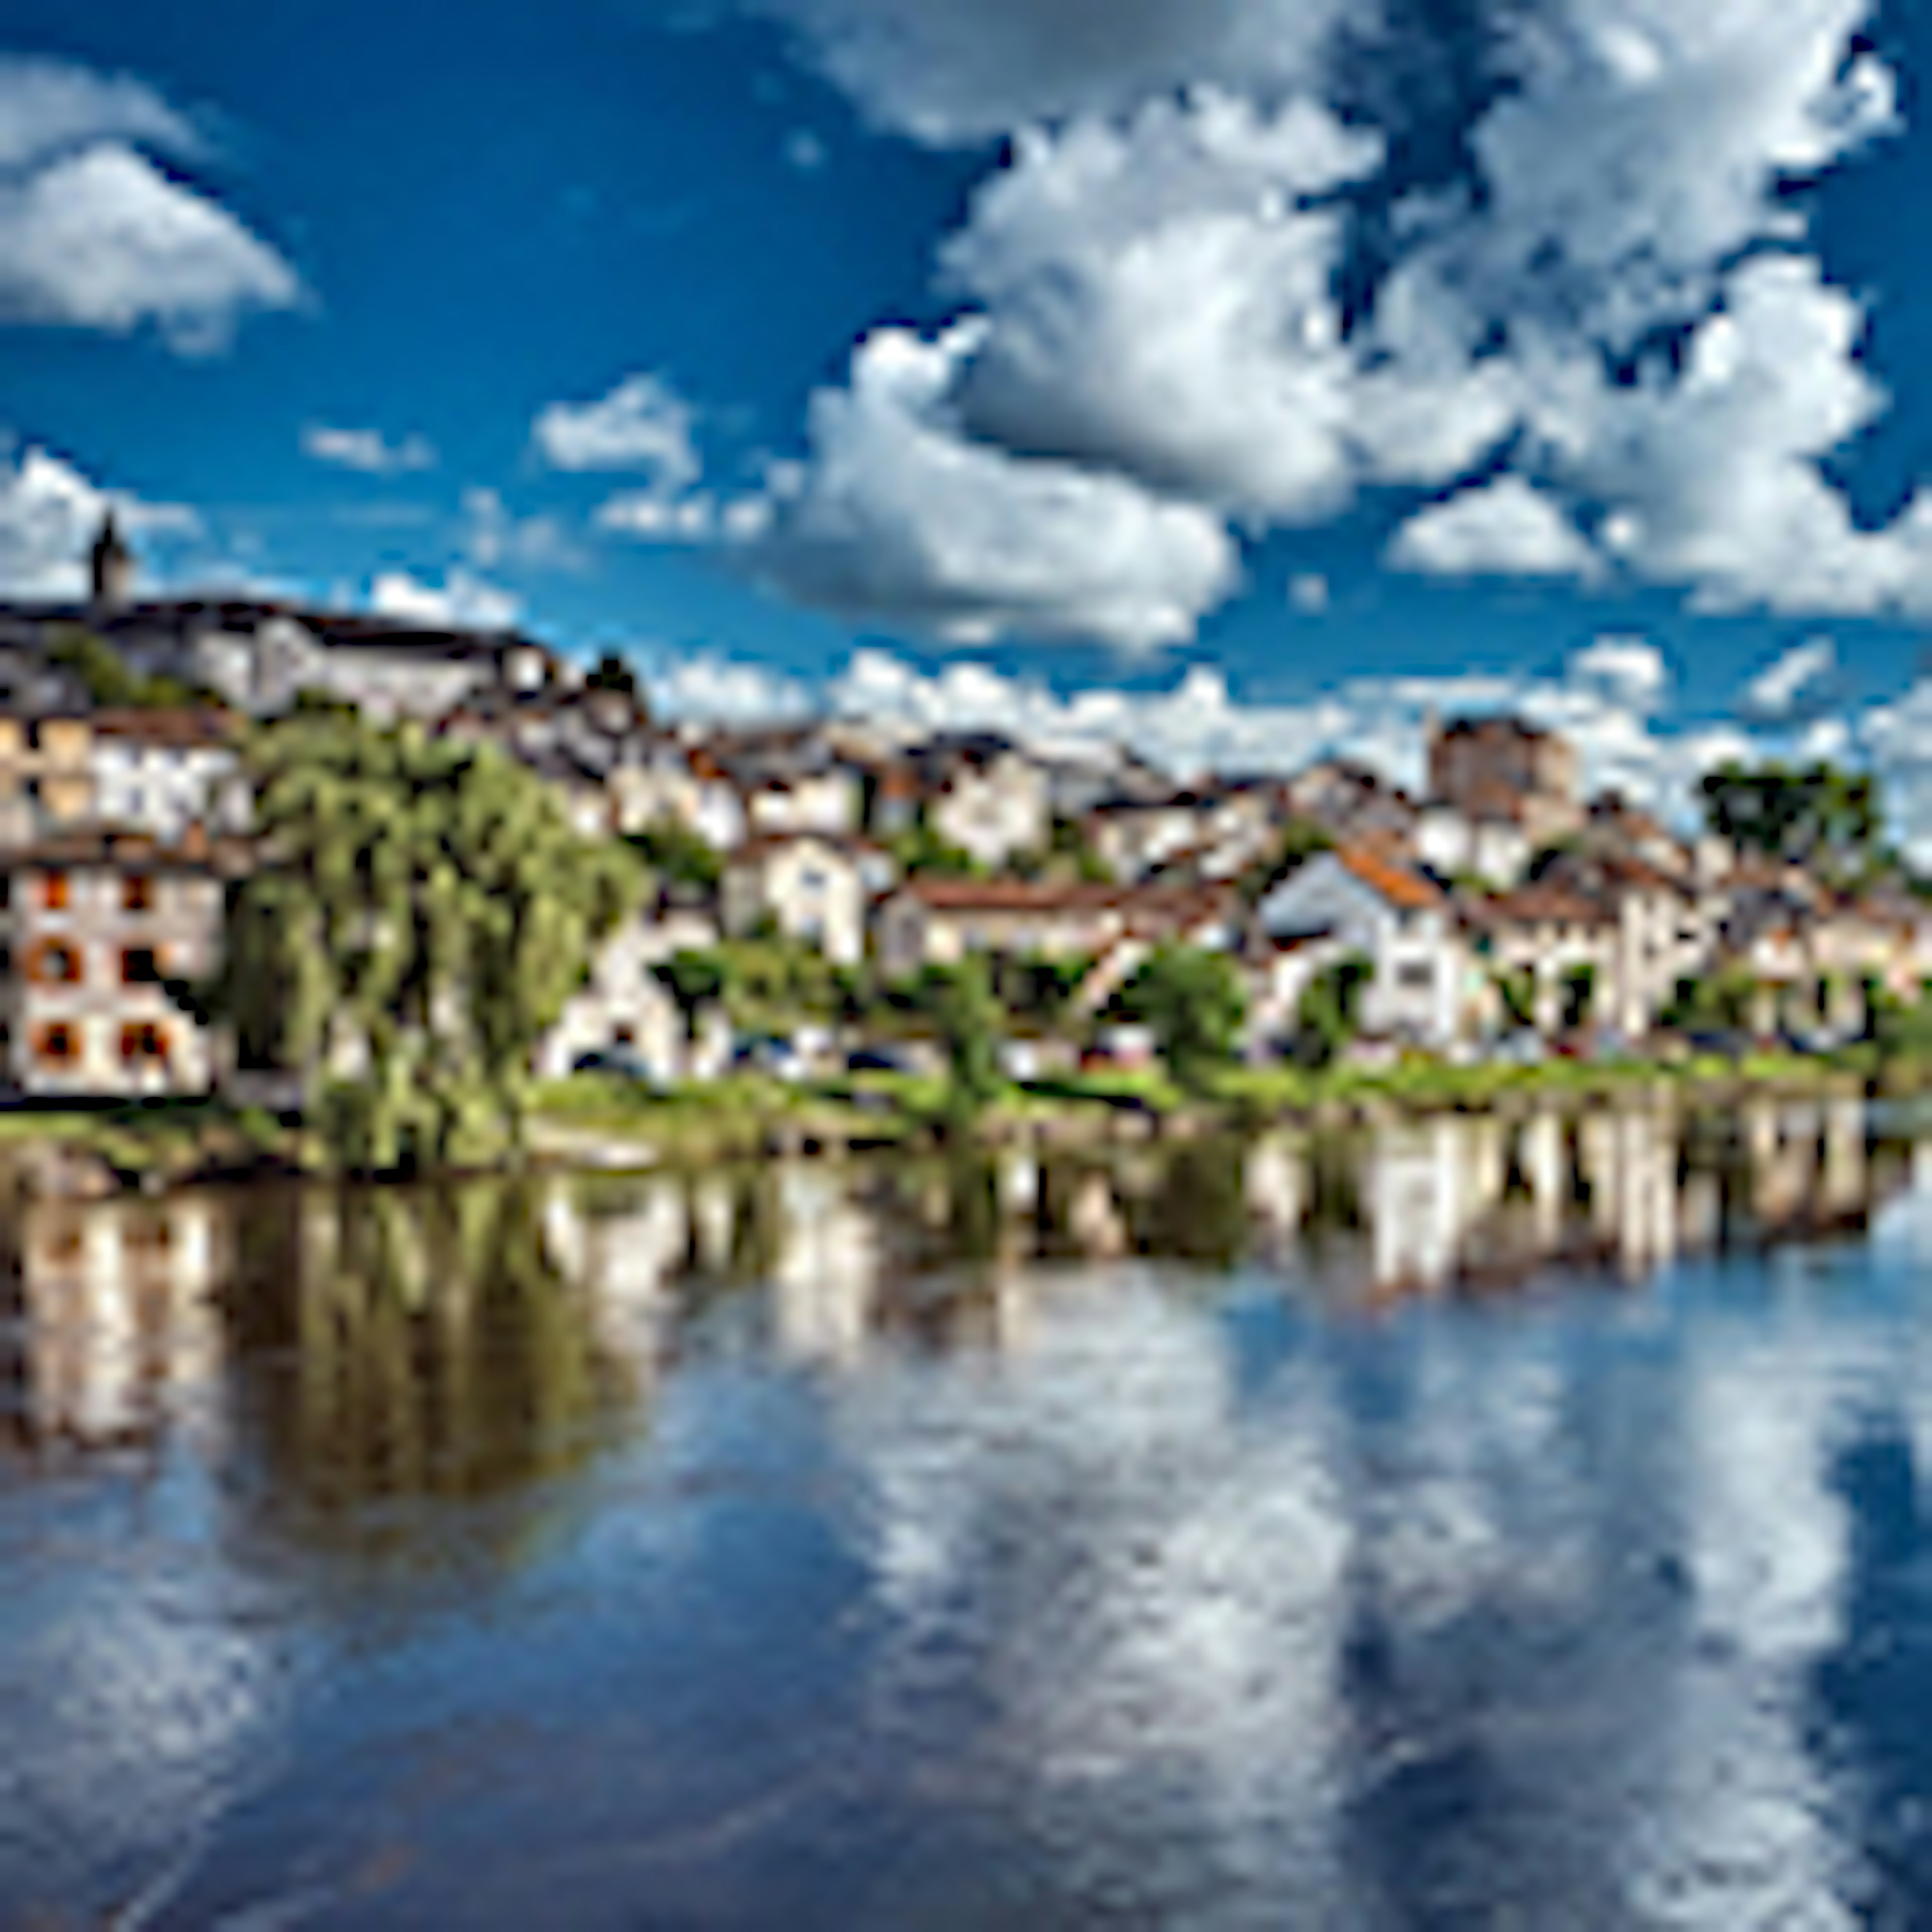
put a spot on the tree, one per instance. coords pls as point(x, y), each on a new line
point(1193, 1002)
point(1517, 990)
point(613, 673)
point(111, 683)
point(920, 852)
point(1330, 1013)
point(423, 912)
point(694, 980)
point(679, 855)
point(1299, 840)
point(1820, 817)
point(960, 1001)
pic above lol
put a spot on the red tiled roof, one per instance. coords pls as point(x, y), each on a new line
point(1395, 883)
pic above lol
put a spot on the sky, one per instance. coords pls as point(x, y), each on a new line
point(1245, 378)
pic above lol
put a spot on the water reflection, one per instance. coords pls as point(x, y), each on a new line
point(1211, 1535)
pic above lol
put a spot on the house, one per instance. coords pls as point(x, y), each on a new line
point(624, 1004)
point(809, 887)
point(991, 801)
point(1563, 943)
point(1487, 769)
point(1350, 802)
point(1368, 901)
point(96, 926)
point(1665, 933)
point(667, 781)
point(163, 771)
point(932, 922)
point(1487, 841)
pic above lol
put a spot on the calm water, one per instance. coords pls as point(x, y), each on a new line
point(1484, 1526)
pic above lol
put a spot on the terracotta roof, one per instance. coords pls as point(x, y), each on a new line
point(110, 848)
point(183, 728)
point(1395, 883)
point(1538, 905)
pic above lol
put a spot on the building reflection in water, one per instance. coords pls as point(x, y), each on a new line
point(474, 1337)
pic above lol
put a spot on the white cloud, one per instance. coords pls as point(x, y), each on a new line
point(651, 518)
point(1308, 593)
point(951, 73)
point(367, 450)
point(1777, 689)
point(94, 235)
point(1506, 528)
point(48, 108)
point(900, 518)
point(642, 425)
point(1152, 272)
point(50, 515)
point(463, 601)
point(719, 690)
point(497, 538)
point(1628, 668)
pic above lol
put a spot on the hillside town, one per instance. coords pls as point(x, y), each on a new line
point(1500, 912)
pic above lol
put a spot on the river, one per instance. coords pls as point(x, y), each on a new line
point(1473, 1523)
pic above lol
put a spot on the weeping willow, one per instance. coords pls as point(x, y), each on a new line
point(422, 913)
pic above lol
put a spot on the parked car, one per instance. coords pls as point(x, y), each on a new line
point(768, 1054)
point(879, 1059)
point(620, 1063)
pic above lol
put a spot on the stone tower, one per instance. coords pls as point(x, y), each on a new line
point(113, 567)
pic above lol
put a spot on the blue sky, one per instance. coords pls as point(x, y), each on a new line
point(1296, 342)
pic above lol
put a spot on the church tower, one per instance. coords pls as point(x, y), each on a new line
point(113, 568)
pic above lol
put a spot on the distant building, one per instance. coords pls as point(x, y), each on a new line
point(1493, 770)
point(111, 568)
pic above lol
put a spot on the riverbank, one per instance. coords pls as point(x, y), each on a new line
point(596, 1122)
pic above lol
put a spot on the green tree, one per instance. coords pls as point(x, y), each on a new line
point(1192, 1001)
point(679, 855)
point(1330, 1013)
point(422, 913)
point(694, 980)
point(1517, 991)
point(613, 673)
point(114, 684)
point(920, 852)
point(1820, 816)
point(969, 1019)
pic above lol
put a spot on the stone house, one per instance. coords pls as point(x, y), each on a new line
point(1552, 936)
point(95, 924)
point(808, 885)
point(1481, 767)
point(991, 801)
point(47, 775)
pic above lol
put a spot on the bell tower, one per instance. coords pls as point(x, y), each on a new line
point(113, 567)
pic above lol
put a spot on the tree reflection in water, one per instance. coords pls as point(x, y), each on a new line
point(399, 1347)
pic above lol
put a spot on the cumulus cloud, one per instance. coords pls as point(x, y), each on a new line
point(643, 425)
point(1506, 528)
point(900, 516)
point(721, 691)
point(49, 514)
point(368, 451)
point(93, 234)
point(1630, 669)
point(497, 538)
point(1776, 691)
point(463, 601)
point(959, 74)
point(1609, 310)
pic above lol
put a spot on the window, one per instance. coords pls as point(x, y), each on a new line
point(1416, 975)
point(140, 966)
point(54, 892)
point(143, 1043)
point(55, 963)
point(137, 892)
point(57, 1044)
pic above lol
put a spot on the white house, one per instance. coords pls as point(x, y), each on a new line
point(810, 887)
point(994, 807)
point(624, 1004)
point(1401, 922)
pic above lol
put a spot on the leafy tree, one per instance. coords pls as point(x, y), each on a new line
point(1820, 816)
point(1193, 1002)
point(679, 855)
point(1330, 1013)
point(423, 912)
point(1579, 992)
point(920, 852)
point(114, 684)
point(694, 980)
point(1040, 987)
point(613, 673)
point(1517, 991)
point(969, 1019)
